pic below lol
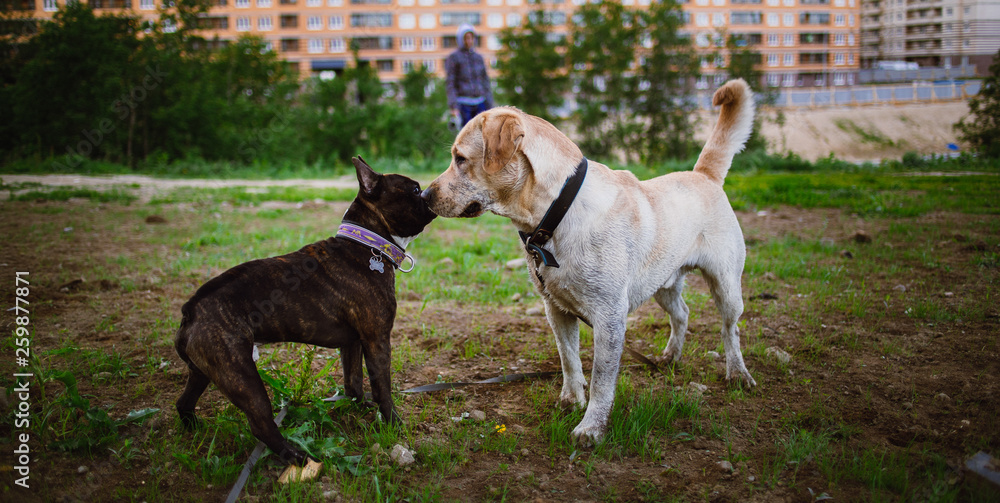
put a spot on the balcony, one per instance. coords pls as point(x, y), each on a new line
point(921, 4)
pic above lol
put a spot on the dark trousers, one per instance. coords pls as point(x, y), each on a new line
point(470, 111)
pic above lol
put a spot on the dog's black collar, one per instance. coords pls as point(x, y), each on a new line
point(534, 241)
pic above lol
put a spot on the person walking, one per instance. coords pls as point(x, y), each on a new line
point(469, 90)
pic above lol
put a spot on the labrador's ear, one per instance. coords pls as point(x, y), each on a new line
point(502, 136)
point(367, 177)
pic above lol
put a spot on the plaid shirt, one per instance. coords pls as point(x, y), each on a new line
point(467, 77)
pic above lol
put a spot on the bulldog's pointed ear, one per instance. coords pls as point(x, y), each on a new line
point(502, 136)
point(367, 177)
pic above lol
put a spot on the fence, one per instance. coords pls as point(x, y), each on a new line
point(916, 92)
point(870, 76)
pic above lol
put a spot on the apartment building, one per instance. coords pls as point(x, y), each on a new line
point(931, 33)
point(802, 42)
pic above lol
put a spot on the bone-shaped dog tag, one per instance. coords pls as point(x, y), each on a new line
point(375, 264)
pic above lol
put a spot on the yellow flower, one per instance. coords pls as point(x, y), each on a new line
point(500, 428)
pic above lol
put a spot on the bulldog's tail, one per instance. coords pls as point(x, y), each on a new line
point(731, 132)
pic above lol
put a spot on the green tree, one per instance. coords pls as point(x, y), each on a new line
point(668, 71)
point(743, 62)
point(603, 57)
point(981, 128)
point(79, 67)
point(532, 66)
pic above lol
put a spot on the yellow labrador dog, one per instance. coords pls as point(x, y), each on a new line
point(620, 241)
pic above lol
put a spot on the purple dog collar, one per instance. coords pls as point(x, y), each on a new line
point(368, 238)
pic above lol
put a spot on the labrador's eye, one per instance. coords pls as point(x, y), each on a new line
point(459, 160)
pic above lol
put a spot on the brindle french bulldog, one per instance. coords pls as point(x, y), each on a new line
point(337, 293)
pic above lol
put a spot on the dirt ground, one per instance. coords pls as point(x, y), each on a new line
point(865, 133)
point(939, 391)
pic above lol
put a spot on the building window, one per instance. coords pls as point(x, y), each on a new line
point(701, 40)
point(407, 21)
point(289, 45)
point(314, 23)
point(839, 78)
point(789, 59)
point(289, 21)
point(839, 58)
point(430, 65)
point(427, 44)
point(789, 19)
point(336, 22)
point(242, 23)
point(373, 43)
point(719, 19)
point(772, 79)
point(316, 45)
point(143, 4)
point(263, 3)
point(513, 19)
point(772, 39)
point(788, 80)
point(789, 39)
point(371, 20)
point(839, 39)
point(460, 18)
point(314, 3)
point(337, 45)
point(850, 58)
point(494, 20)
point(701, 19)
point(427, 21)
point(773, 19)
point(701, 83)
point(264, 23)
point(407, 44)
point(744, 17)
point(850, 39)
point(334, 3)
point(385, 65)
point(772, 59)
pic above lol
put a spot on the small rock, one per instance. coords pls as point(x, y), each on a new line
point(516, 297)
point(477, 416)
point(899, 288)
point(949, 294)
point(155, 219)
point(907, 405)
point(714, 355)
point(447, 261)
point(770, 276)
point(376, 449)
point(751, 478)
point(329, 495)
point(697, 389)
point(942, 397)
point(516, 263)
point(762, 213)
point(778, 353)
point(726, 466)
point(103, 376)
point(82, 469)
point(517, 429)
point(401, 455)
point(846, 254)
point(862, 237)
point(525, 452)
point(964, 424)
point(535, 311)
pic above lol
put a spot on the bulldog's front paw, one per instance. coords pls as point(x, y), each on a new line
point(588, 435)
point(292, 456)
